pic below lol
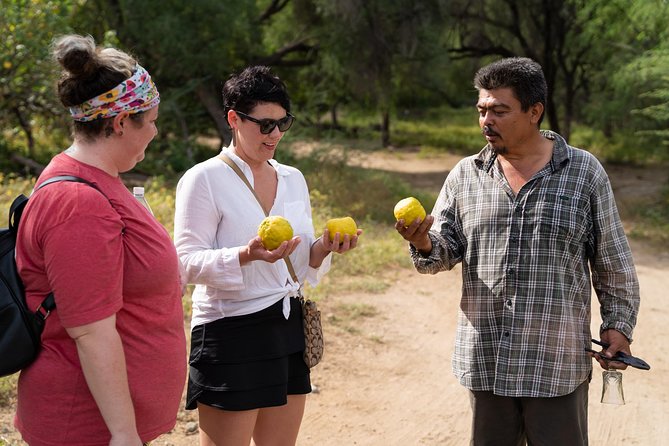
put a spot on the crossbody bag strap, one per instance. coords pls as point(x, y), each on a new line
point(226, 159)
point(291, 270)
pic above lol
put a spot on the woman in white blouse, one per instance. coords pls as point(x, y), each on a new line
point(247, 377)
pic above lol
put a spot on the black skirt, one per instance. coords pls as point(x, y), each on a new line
point(248, 362)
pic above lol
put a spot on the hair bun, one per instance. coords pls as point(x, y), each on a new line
point(77, 55)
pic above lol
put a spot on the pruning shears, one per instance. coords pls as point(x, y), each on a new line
point(623, 357)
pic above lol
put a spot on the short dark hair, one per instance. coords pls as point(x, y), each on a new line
point(523, 75)
point(252, 86)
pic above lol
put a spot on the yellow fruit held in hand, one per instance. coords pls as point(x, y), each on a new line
point(273, 231)
point(343, 226)
point(408, 210)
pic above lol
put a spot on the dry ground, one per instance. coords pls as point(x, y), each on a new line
point(385, 378)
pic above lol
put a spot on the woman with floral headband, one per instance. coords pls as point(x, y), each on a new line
point(112, 366)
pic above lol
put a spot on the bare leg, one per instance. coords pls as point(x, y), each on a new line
point(224, 427)
point(279, 426)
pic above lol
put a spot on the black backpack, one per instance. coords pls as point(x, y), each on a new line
point(20, 327)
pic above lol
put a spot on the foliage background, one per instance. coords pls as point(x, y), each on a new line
point(361, 69)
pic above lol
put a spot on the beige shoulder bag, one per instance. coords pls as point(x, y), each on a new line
point(313, 330)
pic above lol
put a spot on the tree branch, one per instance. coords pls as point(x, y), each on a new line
point(207, 93)
point(465, 52)
point(27, 129)
point(274, 7)
point(278, 58)
point(32, 165)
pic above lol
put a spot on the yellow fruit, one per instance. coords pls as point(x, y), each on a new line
point(343, 226)
point(273, 231)
point(409, 209)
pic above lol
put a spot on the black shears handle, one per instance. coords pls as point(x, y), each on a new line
point(623, 357)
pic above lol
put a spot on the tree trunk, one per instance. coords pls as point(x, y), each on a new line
point(27, 129)
point(184, 131)
point(333, 116)
point(551, 112)
point(209, 97)
point(568, 110)
point(385, 128)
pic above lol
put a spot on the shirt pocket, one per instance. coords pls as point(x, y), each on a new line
point(296, 213)
point(563, 216)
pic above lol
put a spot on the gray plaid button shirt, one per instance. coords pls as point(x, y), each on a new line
point(527, 261)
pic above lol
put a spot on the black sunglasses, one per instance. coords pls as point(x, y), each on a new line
point(267, 125)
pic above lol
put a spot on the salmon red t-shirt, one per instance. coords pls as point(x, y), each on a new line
point(100, 256)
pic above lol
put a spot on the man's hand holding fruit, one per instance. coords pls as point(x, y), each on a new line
point(413, 224)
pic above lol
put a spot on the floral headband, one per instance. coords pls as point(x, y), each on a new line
point(135, 94)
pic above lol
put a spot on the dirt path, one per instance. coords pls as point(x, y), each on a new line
point(386, 379)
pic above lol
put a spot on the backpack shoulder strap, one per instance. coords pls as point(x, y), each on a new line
point(73, 179)
point(16, 211)
point(49, 303)
point(70, 178)
point(19, 203)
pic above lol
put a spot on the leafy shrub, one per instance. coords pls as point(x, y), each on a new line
point(8, 390)
point(338, 189)
point(442, 129)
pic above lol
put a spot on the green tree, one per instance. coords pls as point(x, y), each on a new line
point(628, 95)
point(575, 41)
point(370, 49)
point(649, 75)
point(187, 46)
point(27, 73)
point(191, 48)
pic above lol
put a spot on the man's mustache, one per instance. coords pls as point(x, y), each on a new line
point(488, 131)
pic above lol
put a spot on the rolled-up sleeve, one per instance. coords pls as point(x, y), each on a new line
point(445, 253)
point(613, 273)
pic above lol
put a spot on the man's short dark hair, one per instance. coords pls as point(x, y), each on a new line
point(523, 75)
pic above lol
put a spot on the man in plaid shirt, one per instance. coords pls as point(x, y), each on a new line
point(534, 223)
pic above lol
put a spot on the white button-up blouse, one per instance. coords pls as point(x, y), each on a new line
point(216, 215)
